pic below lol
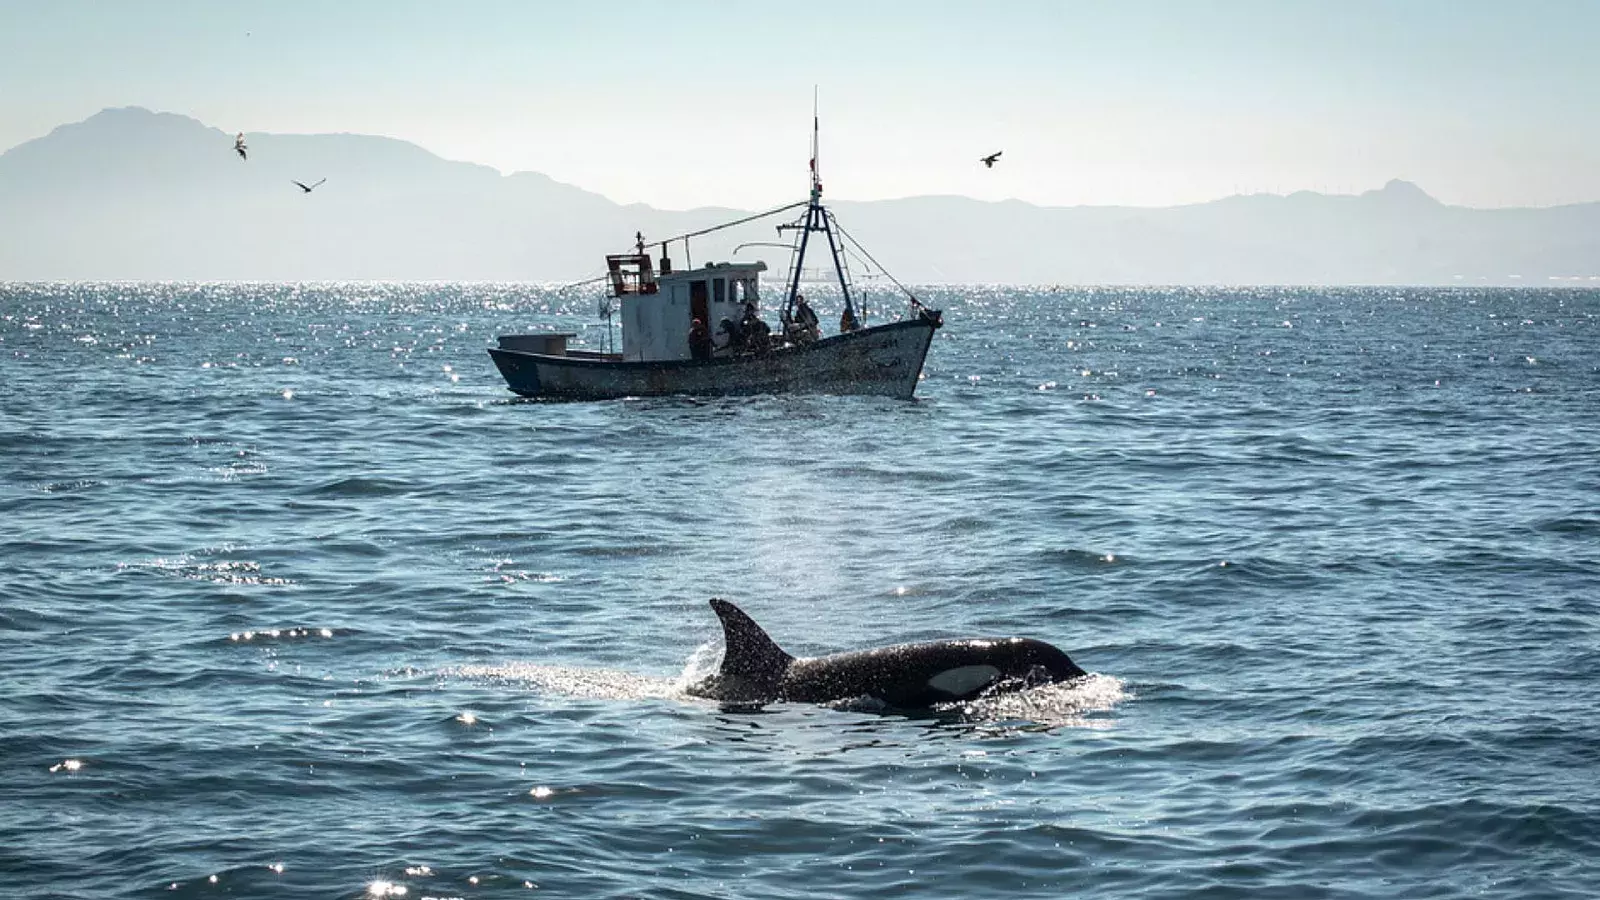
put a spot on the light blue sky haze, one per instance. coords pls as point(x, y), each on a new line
point(689, 103)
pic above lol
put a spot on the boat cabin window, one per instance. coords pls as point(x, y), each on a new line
point(719, 290)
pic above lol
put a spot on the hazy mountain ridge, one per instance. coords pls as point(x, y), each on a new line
point(131, 194)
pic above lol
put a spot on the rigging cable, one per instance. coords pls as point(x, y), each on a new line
point(845, 276)
point(595, 280)
point(751, 218)
point(913, 297)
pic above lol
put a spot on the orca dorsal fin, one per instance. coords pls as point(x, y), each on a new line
point(752, 663)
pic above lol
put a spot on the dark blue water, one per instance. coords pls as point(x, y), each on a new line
point(296, 600)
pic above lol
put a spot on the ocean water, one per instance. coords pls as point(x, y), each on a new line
point(296, 600)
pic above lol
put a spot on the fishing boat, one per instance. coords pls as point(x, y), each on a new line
point(671, 346)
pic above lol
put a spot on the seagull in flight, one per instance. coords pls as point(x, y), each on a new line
point(989, 161)
point(308, 188)
point(239, 147)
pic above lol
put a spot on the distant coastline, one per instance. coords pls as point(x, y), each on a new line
point(130, 194)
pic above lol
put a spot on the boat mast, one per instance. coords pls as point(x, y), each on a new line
point(816, 219)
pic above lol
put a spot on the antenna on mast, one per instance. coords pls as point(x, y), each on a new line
point(816, 219)
point(816, 179)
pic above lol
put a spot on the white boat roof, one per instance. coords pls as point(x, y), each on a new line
point(725, 269)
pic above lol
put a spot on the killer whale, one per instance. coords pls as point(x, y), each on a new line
point(905, 676)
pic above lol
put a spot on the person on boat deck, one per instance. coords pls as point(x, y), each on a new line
point(847, 321)
point(757, 334)
point(802, 328)
point(733, 335)
point(699, 340)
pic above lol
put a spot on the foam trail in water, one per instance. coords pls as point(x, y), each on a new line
point(574, 682)
point(704, 662)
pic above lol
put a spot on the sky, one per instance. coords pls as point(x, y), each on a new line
point(704, 103)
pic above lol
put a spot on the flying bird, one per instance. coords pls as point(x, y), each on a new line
point(305, 187)
point(239, 147)
point(989, 161)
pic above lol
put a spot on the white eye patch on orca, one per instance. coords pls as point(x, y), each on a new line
point(964, 680)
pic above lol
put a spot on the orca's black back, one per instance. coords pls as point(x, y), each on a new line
point(903, 675)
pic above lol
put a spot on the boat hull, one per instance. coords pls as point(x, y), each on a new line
point(885, 360)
